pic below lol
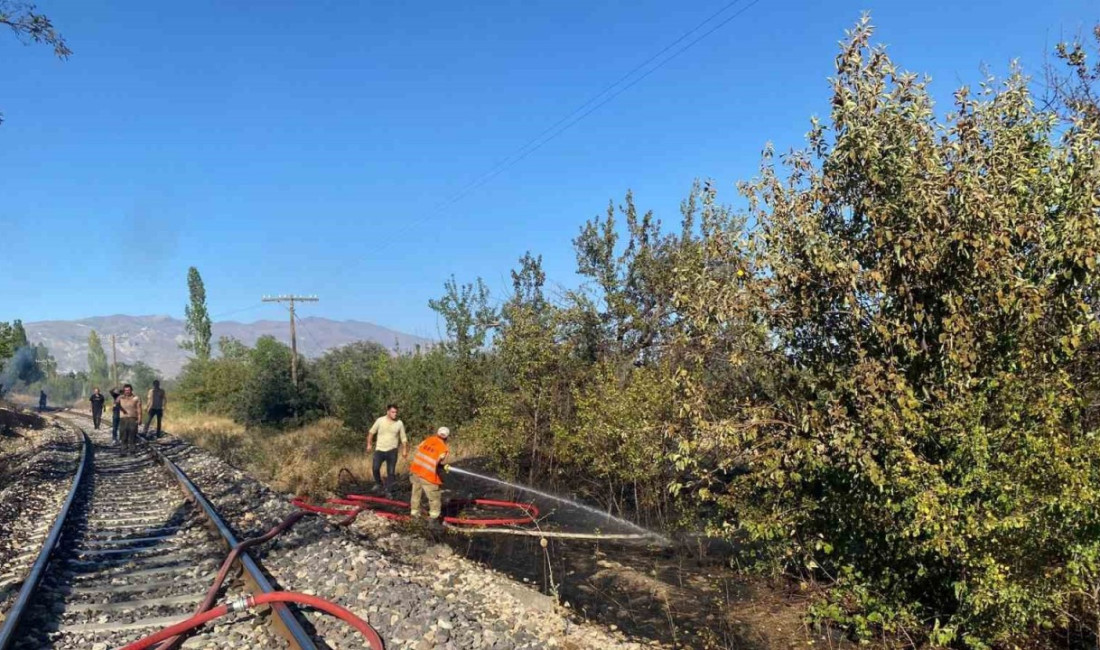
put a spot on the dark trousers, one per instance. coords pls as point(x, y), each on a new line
point(390, 458)
point(128, 427)
point(97, 415)
point(114, 426)
point(158, 413)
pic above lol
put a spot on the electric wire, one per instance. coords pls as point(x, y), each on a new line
point(572, 119)
point(316, 346)
point(236, 311)
point(615, 94)
point(520, 150)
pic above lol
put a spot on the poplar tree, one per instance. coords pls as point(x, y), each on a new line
point(198, 318)
point(97, 359)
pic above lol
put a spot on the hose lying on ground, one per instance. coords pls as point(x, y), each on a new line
point(373, 640)
point(377, 505)
point(173, 635)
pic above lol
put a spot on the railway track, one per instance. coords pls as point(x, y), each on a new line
point(135, 550)
point(35, 474)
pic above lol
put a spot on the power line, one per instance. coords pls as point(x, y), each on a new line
point(504, 161)
point(309, 335)
point(618, 92)
point(567, 122)
point(236, 311)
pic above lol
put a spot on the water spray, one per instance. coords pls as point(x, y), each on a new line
point(635, 528)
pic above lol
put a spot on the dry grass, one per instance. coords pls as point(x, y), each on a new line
point(197, 427)
point(307, 460)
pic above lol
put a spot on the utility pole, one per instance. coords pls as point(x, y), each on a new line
point(114, 363)
point(293, 331)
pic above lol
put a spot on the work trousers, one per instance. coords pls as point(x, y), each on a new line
point(97, 415)
point(114, 426)
point(158, 413)
point(432, 491)
point(128, 429)
point(390, 458)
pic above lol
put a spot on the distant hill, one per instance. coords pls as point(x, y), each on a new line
point(155, 339)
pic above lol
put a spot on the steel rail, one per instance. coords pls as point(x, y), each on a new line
point(285, 621)
point(15, 613)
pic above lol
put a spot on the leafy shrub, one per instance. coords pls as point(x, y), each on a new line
point(928, 293)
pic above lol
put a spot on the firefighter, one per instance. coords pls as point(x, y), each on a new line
point(426, 471)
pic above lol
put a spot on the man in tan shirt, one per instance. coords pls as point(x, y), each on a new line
point(391, 435)
point(129, 416)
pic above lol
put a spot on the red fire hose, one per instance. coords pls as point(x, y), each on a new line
point(355, 503)
point(174, 638)
point(373, 640)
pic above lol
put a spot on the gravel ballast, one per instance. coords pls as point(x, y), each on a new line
point(37, 466)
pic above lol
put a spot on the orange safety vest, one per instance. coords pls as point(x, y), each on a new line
point(426, 460)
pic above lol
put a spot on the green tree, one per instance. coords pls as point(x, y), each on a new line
point(7, 347)
point(45, 366)
point(530, 396)
point(18, 335)
point(30, 26)
point(351, 381)
point(468, 319)
point(197, 318)
point(97, 359)
point(12, 337)
point(140, 375)
point(927, 290)
point(268, 395)
point(1075, 85)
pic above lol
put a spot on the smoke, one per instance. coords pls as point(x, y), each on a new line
point(17, 369)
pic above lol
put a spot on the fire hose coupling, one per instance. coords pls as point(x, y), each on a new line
point(240, 604)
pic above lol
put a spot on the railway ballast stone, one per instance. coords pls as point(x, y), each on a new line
point(37, 466)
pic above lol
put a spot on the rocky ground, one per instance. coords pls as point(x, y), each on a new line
point(37, 462)
point(413, 589)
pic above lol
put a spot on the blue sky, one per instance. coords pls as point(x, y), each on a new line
point(306, 146)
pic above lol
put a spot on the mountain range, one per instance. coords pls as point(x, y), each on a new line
point(155, 339)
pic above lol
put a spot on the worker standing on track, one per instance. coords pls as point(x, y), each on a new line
point(157, 399)
point(42, 401)
point(425, 473)
point(97, 400)
point(130, 415)
point(391, 435)
point(115, 413)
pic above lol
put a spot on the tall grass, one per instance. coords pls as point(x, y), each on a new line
point(306, 460)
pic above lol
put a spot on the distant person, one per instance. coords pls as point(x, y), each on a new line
point(156, 400)
point(42, 401)
point(129, 416)
point(97, 399)
point(391, 435)
point(115, 412)
point(425, 473)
